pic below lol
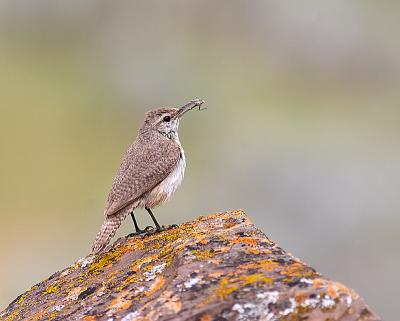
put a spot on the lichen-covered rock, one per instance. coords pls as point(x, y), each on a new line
point(218, 267)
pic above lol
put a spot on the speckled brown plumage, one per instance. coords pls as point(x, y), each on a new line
point(156, 156)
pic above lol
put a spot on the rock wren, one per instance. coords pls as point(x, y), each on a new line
point(151, 171)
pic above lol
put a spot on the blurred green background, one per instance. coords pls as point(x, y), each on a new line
point(302, 128)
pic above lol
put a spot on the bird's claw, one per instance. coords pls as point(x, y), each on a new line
point(137, 233)
point(168, 227)
point(149, 230)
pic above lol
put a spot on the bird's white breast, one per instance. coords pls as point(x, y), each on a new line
point(173, 180)
point(163, 192)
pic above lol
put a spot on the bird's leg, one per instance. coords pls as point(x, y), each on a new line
point(158, 227)
point(138, 230)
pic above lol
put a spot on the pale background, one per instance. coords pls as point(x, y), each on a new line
point(302, 128)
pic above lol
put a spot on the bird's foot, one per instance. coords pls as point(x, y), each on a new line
point(150, 230)
point(168, 227)
point(142, 232)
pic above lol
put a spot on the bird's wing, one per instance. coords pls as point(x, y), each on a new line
point(143, 168)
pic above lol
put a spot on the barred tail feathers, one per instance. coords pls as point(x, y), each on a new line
point(107, 231)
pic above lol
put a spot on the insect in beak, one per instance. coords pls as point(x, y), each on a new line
point(189, 106)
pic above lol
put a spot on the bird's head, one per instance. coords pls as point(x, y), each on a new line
point(166, 120)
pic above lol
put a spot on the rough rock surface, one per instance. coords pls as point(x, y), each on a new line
point(218, 267)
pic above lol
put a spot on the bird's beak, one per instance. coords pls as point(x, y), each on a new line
point(189, 106)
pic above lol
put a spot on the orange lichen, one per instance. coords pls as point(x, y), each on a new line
point(253, 251)
point(229, 225)
point(156, 286)
point(172, 302)
point(246, 240)
point(204, 241)
point(120, 303)
point(39, 316)
point(298, 269)
point(216, 274)
point(332, 292)
point(135, 245)
point(137, 265)
point(300, 296)
point(318, 283)
point(180, 271)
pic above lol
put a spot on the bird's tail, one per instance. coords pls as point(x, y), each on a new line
point(107, 231)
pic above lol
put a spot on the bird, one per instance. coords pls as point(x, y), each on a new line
point(152, 169)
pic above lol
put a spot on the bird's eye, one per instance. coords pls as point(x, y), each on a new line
point(167, 119)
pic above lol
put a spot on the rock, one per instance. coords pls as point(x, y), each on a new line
point(219, 267)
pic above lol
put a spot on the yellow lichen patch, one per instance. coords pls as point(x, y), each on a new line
point(255, 278)
point(202, 255)
point(231, 284)
point(164, 255)
point(107, 260)
point(52, 288)
point(130, 279)
point(157, 285)
point(137, 265)
point(265, 265)
point(226, 287)
point(167, 237)
point(89, 318)
point(21, 298)
point(13, 316)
